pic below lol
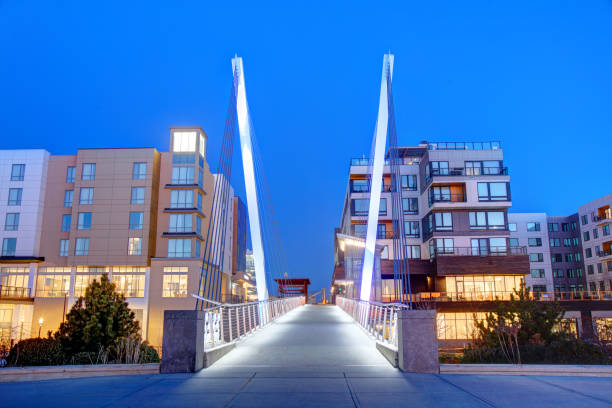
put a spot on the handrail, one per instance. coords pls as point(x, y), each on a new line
point(14, 292)
point(378, 319)
point(488, 251)
point(227, 323)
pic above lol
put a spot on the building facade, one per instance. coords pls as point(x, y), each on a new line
point(138, 216)
point(595, 223)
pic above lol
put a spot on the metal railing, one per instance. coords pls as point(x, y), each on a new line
point(493, 296)
point(602, 253)
point(446, 198)
point(14, 292)
point(226, 323)
point(488, 251)
point(378, 319)
point(493, 145)
point(606, 215)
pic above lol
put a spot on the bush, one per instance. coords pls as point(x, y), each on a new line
point(36, 352)
point(148, 354)
point(557, 352)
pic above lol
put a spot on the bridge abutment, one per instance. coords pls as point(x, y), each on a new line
point(418, 341)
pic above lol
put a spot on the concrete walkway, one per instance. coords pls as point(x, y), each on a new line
point(315, 356)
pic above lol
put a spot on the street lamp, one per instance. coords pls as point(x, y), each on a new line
point(40, 323)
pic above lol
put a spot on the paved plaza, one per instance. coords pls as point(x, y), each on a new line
point(315, 356)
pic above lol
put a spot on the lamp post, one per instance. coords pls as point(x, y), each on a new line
point(40, 323)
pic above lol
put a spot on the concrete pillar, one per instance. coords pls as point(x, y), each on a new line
point(587, 332)
point(183, 341)
point(418, 341)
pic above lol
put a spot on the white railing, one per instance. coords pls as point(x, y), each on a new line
point(378, 319)
point(226, 323)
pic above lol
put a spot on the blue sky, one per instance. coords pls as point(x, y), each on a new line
point(534, 75)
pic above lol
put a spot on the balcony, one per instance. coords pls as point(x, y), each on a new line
point(494, 145)
point(15, 293)
point(478, 296)
point(605, 254)
point(356, 188)
point(485, 261)
point(604, 217)
point(446, 198)
point(490, 251)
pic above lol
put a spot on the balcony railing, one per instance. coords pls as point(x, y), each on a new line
point(366, 189)
point(471, 171)
point(446, 198)
point(489, 251)
point(493, 296)
point(14, 292)
point(465, 146)
point(605, 253)
point(603, 217)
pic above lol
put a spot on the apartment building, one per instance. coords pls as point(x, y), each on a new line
point(455, 201)
point(595, 223)
point(137, 215)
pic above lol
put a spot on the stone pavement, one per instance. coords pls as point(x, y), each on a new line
point(315, 356)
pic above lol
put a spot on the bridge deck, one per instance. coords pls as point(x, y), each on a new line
point(315, 356)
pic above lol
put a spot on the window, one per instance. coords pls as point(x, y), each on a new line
point(534, 242)
point(595, 233)
point(599, 268)
point(571, 273)
point(579, 272)
point(574, 226)
point(179, 248)
point(82, 281)
point(410, 205)
point(586, 236)
point(439, 168)
point(555, 242)
point(198, 225)
point(537, 257)
point(590, 270)
point(17, 172)
point(565, 227)
point(182, 175)
point(87, 195)
point(53, 285)
point(556, 258)
point(477, 168)
point(383, 207)
point(567, 242)
point(593, 286)
point(413, 251)
point(443, 221)
point(577, 256)
point(11, 222)
point(609, 266)
point(533, 226)
point(66, 221)
point(201, 179)
point(557, 273)
point(360, 186)
point(514, 242)
point(444, 246)
point(361, 206)
point(537, 273)
point(439, 193)
point(538, 288)
point(588, 252)
point(64, 246)
point(409, 182)
point(199, 201)
point(134, 246)
point(411, 229)
point(70, 171)
point(9, 245)
point(89, 171)
point(512, 227)
point(197, 248)
point(488, 246)
point(138, 195)
point(139, 171)
point(181, 199)
point(585, 219)
point(174, 284)
point(487, 220)
point(129, 284)
point(569, 257)
point(84, 222)
point(605, 230)
point(82, 246)
point(68, 197)
point(136, 220)
point(384, 254)
point(184, 141)
point(16, 277)
point(14, 197)
point(493, 192)
point(180, 223)
point(553, 227)
point(575, 241)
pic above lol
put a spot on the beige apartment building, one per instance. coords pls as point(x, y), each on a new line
point(137, 215)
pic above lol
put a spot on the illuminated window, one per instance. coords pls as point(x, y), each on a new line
point(81, 282)
point(68, 197)
point(202, 146)
point(15, 277)
point(134, 246)
point(53, 285)
point(87, 195)
point(184, 142)
point(457, 326)
point(130, 285)
point(139, 172)
point(179, 248)
point(174, 284)
point(89, 171)
point(138, 195)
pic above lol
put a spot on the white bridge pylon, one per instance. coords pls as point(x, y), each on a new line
point(380, 141)
point(246, 148)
